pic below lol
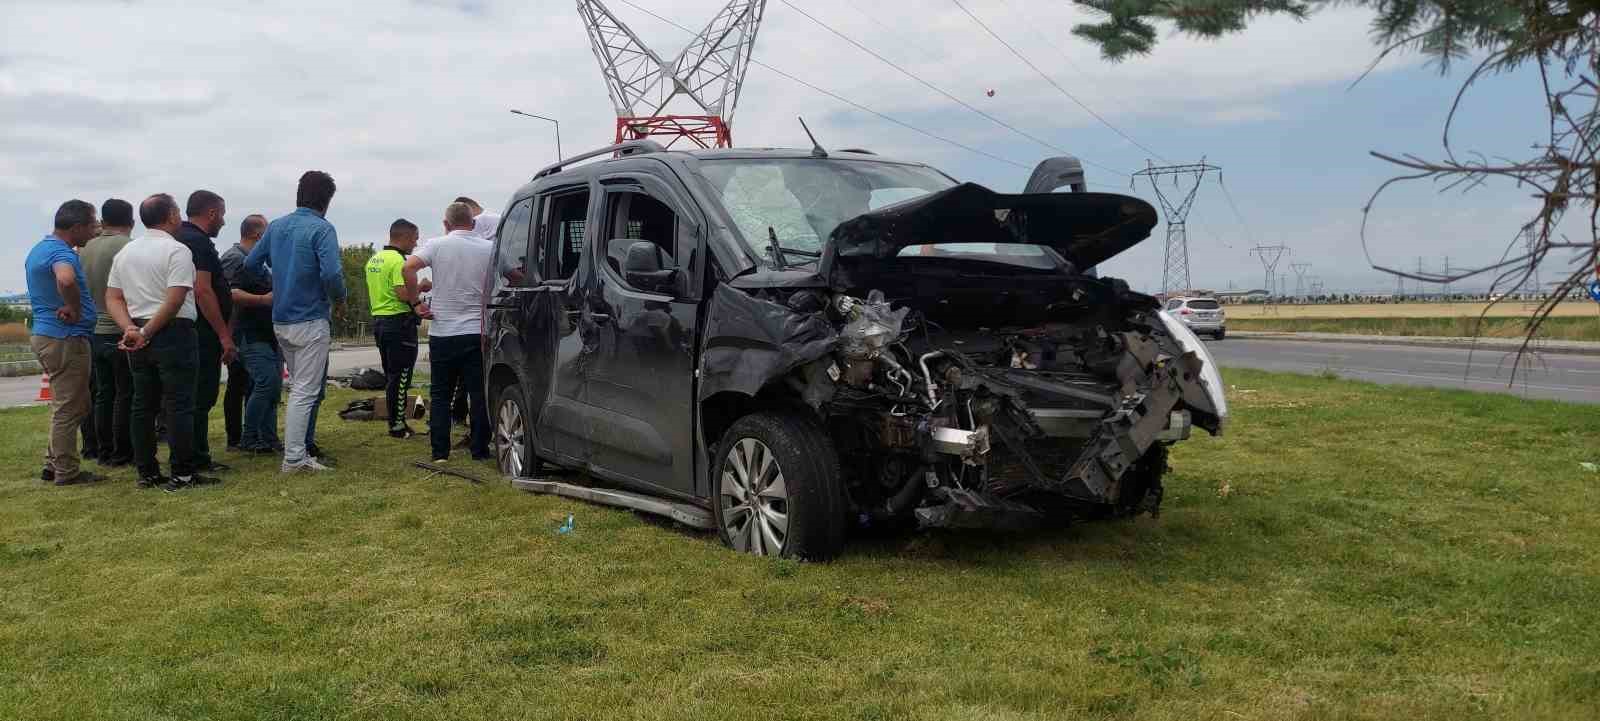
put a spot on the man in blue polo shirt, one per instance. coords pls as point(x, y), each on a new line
point(63, 323)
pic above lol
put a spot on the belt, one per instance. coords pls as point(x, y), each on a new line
point(174, 323)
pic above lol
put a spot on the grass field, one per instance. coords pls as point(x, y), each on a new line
point(1506, 309)
point(1347, 551)
point(1562, 328)
point(1571, 321)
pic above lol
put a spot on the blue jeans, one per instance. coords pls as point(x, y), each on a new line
point(264, 366)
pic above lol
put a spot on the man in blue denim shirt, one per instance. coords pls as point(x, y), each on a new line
point(63, 323)
point(302, 249)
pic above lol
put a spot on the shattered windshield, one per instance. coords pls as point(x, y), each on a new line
point(795, 203)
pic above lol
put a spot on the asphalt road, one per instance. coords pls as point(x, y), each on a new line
point(24, 390)
point(1574, 378)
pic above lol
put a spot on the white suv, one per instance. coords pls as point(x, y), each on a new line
point(1204, 316)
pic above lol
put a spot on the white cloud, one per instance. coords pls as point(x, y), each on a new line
point(406, 103)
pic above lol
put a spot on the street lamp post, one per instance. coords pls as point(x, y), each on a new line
point(559, 154)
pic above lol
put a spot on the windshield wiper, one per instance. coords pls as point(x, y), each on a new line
point(779, 253)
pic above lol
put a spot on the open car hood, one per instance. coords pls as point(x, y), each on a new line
point(1086, 228)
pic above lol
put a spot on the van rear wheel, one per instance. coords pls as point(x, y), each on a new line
point(777, 490)
point(513, 432)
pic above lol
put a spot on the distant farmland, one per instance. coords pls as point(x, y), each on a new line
point(1507, 309)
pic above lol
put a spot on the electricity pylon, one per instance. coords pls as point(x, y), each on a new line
point(1270, 256)
point(704, 79)
point(1300, 278)
point(1175, 275)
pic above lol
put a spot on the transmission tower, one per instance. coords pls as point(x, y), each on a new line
point(703, 81)
point(1300, 279)
point(1530, 243)
point(1175, 276)
point(1270, 256)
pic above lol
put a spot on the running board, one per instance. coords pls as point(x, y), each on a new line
point(692, 516)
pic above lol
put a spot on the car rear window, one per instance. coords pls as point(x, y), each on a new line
point(1204, 304)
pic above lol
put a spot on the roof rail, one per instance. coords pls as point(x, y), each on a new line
point(631, 147)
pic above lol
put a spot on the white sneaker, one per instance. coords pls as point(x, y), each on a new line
point(308, 465)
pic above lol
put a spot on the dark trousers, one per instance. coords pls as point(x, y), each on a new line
point(233, 398)
point(458, 407)
point(164, 381)
point(91, 434)
point(397, 346)
point(113, 399)
point(456, 361)
point(207, 385)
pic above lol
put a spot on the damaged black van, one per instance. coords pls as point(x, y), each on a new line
point(785, 346)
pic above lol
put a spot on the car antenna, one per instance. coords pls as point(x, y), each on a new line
point(816, 147)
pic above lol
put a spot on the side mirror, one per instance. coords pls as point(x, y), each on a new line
point(642, 269)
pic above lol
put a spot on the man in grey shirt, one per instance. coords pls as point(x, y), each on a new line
point(112, 377)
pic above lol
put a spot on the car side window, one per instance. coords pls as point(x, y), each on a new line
point(512, 269)
point(632, 217)
point(562, 237)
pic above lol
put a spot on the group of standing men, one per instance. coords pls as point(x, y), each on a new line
point(459, 261)
point(157, 318)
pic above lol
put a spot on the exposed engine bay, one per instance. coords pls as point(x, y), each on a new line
point(999, 388)
point(1005, 426)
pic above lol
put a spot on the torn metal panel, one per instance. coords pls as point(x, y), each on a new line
point(749, 342)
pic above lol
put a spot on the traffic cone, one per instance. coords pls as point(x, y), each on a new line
point(44, 388)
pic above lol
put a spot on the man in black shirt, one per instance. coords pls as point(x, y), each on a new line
point(214, 300)
point(250, 407)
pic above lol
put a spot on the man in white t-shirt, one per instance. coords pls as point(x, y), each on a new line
point(148, 295)
point(460, 261)
point(485, 223)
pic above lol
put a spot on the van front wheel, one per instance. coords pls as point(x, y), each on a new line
point(777, 490)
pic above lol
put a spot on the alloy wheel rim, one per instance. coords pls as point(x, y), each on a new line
point(509, 437)
point(754, 499)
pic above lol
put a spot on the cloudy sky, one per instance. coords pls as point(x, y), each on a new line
point(405, 103)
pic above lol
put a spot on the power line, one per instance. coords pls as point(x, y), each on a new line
point(1053, 82)
point(846, 100)
point(942, 91)
point(1235, 206)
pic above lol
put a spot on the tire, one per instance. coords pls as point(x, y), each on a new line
point(512, 427)
point(1221, 333)
point(798, 497)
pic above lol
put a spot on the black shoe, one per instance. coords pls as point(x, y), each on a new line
point(116, 463)
point(89, 455)
point(215, 467)
point(199, 480)
point(315, 451)
point(175, 484)
point(83, 478)
point(262, 451)
point(48, 474)
point(148, 482)
point(403, 432)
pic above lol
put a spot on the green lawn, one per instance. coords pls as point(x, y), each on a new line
point(1579, 328)
point(1347, 551)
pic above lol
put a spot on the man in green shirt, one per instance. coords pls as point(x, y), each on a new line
point(112, 376)
point(395, 320)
